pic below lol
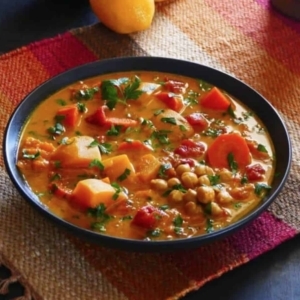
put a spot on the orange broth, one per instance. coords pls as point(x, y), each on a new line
point(147, 142)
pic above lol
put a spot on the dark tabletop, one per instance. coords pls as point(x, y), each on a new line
point(273, 276)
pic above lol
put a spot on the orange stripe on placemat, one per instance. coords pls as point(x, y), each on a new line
point(20, 73)
point(162, 276)
point(264, 27)
point(239, 54)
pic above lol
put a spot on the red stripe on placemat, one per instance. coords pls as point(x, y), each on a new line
point(62, 53)
point(293, 24)
point(265, 233)
point(270, 32)
point(148, 274)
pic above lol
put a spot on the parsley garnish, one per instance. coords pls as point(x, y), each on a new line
point(30, 156)
point(162, 170)
point(56, 129)
point(127, 218)
point(230, 112)
point(161, 136)
point(96, 163)
point(131, 90)
point(178, 221)
point(81, 107)
point(214, 179)
point(192, 98)
point(101, 217)
point(237, 205)
point(158, 112)
point(262, 148)
point(114, 130)
point(118, 190)
point(154, 233)
point(109, 93)
point(260, 188)
point(171, 120)
point(205, 86)
point(105, 148)
point(85, 94)
point(61, 102)
point(209, 225)
point(164, 207)
point(124, 175)
point(178, 187)
point(182, 128)
point(232, 163)
point(212, 132)
point(244, 179)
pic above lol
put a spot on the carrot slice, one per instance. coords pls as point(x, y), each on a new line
point(225, 144)
point(215, 99)
point(70, 115)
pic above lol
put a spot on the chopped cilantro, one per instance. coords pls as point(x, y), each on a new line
point(154, 233)
point(85, 94)
point(96, 163)
point(109, 93)
point(158, 112)
point(244, 179)
point(162, 170)
point(118, 190)
point(178, 221)
point(81, 107)
point(61, 102)
point(171, 120)
point(161, 136)
point(124, 175)
point(105, 148)
point(164, 207)
point(214, 179)
point(131, 91)
point(114, 130)
point(230, 112)
point(262, 148)
point(30, 156)
point(56, 129)
point(209, 225)
point(212, 132)
point(182, 128)
point(204, 86)
point(237, 205)
point(261, 188)
point(232, 163)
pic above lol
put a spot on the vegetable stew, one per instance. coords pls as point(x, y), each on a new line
point(146, 155)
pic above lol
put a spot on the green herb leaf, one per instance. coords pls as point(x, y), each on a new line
point(61, 102)
point(182, 128)
point(232, 163)
point(204, 86)
point(131, 90)
point(154, 233)
point(262, 148)
point(124, 175)
point(237, 205)
point(261, 188)
point(96, 163)
point(114, 130)
point(244, 179)
point(109, 93)
point(214, 179)
point(171, 120)
point(212, 132)
point(161, 136)
point(127, 218)
point(209, 225)
point(30, 156)
point(164, 207)
point(231, 112)
point(57, 129)
point(85, 94)
point(158, 112)
point(162, 170)
point(81, 107)
point(118, 190)
point(191, 99)
point(105, 148)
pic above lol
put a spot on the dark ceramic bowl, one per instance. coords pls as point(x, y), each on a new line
point(241, 91)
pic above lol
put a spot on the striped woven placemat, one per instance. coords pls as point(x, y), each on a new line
point(247, 39)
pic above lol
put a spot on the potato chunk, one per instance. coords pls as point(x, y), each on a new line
point(89, 193)
point(115, 166)
point(76, 152)
point(171, 120)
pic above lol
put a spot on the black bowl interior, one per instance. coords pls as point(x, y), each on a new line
point(241, 91)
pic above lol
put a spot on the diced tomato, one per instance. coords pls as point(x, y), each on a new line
point(255, 172)
point(189, 161)
point(134, 145)
point(197, 120)
point(175, 86)
point(189, 148)
point(146, 217)
point(215, 99)
point(70, 115)
point(98, 117)
point(171, 100)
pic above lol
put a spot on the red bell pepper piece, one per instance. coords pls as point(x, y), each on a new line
point(171, 100)
point(70, 115)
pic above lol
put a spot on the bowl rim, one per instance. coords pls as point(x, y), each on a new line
point(181, 67)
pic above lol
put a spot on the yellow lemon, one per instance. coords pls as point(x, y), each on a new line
point(124, 16)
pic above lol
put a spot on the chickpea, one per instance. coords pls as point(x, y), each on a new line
point(190, 195)
point(189, 179)
point(203, 180)
point(216, 210)
point(176, 196)
point(203, 170)
point(240, 193)
point(205, 194)
point(192, 208)
point(159, 184)
point(224, 197)
point(173, 181)
point(225, 175)
point(182, 168)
